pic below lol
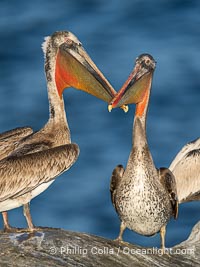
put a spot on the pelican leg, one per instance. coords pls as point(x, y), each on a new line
point(27, 214)
point(6, 226)
point(162, 235)
point(122, 228)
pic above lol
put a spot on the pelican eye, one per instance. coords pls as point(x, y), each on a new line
point(69, 41)
point(148, 62)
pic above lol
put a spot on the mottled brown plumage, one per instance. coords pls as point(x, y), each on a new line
point(38, 168)
point(10, 139)
point(114, 182)
point(168, 181)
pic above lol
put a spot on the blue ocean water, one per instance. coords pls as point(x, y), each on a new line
point(114, 33)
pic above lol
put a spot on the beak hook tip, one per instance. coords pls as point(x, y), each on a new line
point(125, 108)
point(110, 107)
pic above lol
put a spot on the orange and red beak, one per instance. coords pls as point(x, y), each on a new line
point(74, 68)
point(138, 82)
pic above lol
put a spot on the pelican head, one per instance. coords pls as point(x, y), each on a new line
point(133, 90)
point(73, 67)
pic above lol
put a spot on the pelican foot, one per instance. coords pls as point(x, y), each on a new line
point(165, 251)
point(19, 230)
point(120, 241)
point(10, 229)
point(36, 229)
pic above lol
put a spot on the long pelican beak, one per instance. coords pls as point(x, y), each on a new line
point(74, 68)
point(135, 87)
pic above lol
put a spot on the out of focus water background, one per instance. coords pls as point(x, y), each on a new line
point(114, 33)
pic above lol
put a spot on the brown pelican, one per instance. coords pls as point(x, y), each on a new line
point(31, 161)
point(145, 198)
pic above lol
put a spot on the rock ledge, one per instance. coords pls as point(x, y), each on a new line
point(57, 247)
